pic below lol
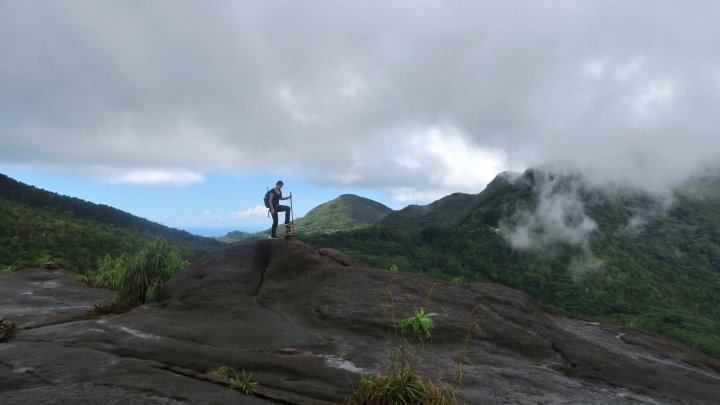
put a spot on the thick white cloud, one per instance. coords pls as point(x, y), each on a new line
point(418, 97)
point(446, 161)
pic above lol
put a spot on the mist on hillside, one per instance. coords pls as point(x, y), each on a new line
point(559, 214)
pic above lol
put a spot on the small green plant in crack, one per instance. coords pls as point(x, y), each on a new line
point(222, 371)
point(401, 385)
point(394, 268)
point(420, 323)
point(236, 382)
point(244, 384)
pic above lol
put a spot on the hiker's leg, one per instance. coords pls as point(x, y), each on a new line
point(287, 212)
point(275, 224)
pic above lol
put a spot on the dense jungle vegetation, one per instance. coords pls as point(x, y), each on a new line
point(649, 262)
point(37, 226)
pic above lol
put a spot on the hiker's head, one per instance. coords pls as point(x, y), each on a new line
point(279, 184)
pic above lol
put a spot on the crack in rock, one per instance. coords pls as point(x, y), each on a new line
point(262, 279)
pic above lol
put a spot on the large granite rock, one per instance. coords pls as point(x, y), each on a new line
point(307, 324)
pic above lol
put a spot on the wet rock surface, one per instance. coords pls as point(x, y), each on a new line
point(306, 324)
point(37, 297)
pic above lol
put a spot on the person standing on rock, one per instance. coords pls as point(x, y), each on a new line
point(273, 197)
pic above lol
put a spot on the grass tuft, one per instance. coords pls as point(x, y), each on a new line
point(138, 279)
point(242, 383)
point(401, 386)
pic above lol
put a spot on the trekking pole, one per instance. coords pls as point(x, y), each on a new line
point(289, 226)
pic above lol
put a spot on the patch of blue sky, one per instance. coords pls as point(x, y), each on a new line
point(219, 204)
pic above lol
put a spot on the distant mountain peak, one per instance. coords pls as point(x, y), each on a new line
point(344, 213)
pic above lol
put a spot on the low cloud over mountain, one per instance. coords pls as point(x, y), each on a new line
point(417, 98)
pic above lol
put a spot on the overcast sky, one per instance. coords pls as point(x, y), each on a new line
point(410, 99)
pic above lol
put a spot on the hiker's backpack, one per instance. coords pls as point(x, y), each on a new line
point(266, 200)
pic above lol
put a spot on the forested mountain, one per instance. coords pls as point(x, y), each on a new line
point(344, 213)
point(236, 236)
point(604, 253)
point(414, 218)
point(37, 225)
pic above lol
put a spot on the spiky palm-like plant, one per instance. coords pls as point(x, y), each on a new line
point(109, 274)
point(147, 271)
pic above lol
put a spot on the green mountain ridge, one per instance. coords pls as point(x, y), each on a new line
point(38, 225)
point(345, 213)
point(236, 236)
point(603, 253)
point(414, 218)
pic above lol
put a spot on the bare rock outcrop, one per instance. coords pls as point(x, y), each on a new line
point(307, 325)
